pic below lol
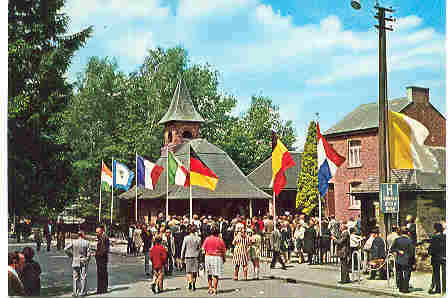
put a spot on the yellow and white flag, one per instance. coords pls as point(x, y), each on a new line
point(406, 144)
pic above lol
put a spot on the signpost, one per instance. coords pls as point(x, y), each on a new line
point(389, 198)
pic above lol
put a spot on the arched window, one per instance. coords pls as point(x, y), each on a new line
point(187, 135)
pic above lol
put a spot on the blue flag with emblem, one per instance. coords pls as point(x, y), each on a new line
point(122, 176)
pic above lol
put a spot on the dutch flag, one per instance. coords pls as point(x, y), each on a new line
point(328, 161)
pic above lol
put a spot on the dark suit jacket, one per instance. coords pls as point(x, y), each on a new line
point(102, 249)
point(437, 248)
point(378, 249)
point(147, 240)
point(343, 244)
point(404, 244)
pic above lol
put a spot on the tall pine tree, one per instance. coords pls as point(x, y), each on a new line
point(307, 184)
point(39, 54)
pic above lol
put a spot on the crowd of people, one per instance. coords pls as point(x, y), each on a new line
point(175, 243)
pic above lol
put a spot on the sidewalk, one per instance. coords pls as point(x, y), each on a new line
point(328, 275)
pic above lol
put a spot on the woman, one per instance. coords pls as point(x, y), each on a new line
point(138, 241)
point(215, 252)
point(31, 273)
point(240, 253)
point(190, 249)
point(324, 242)
point(179, 237)
point(298, 236)
point(255, 251)
point(309, 239)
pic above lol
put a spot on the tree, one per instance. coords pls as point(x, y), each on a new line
point(39, 54)
point(307, 185)
point(248, 141)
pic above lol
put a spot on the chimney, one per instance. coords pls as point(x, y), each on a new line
point(418, 94)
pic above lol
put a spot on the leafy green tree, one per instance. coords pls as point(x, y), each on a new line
point(40, 176)
point(307, 185)
point(248, 142)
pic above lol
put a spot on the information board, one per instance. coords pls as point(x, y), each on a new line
point(389, 198)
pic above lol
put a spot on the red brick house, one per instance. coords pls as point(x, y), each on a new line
point(356, 137)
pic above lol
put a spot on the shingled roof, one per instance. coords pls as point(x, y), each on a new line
point(232, 184)
point(411, 180)
point(262, 175)
point(181, 107)
point(365, 117)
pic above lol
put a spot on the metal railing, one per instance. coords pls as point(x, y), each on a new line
point(391, 257)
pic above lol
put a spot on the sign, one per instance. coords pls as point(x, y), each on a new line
point(389, 198)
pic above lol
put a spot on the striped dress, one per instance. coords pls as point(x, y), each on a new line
point(240, 252)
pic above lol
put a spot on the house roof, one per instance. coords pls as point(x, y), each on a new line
point(181, 107)
point(232, 183)
point(411, 180)
point(262, 175)
point(365, 117)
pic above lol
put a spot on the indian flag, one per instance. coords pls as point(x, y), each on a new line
point(177, 174)
point(406, 144)
point(106, 177)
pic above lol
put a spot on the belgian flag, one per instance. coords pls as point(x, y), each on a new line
point(200, 174)
point(281, 161)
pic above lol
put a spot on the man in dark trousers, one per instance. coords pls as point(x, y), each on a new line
point(343, 245)
point(60, 235)
point(437, 250)
point(147, 242)
point(101, 256)
point(49, 230)
point(378, 252)
point(405, 260)
point(276, 239)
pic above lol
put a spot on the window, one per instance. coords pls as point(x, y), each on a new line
point(354, 153)
point(355, 204)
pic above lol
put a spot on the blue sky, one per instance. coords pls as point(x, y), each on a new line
point(307, 56)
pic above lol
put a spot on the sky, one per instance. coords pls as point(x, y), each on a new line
point(307, 56)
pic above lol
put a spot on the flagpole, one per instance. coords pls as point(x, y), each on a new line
point(191, 196)
point(273, 207)
point(101, 181)
point(136, 186)
point(167, 182)
point(112, 203)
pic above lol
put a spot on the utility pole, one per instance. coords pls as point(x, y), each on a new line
point(383, 173)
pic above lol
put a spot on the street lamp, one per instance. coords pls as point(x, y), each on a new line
point(356, 4)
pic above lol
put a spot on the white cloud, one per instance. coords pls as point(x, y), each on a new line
point(133, 45)
point(407, 23)
point(202, 8)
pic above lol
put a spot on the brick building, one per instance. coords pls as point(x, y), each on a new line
point(354, 189)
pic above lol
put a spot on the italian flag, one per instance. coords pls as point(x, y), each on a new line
point(106, 177)
point(177, 174)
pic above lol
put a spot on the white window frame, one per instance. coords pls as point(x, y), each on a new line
point(354, 153)
point(354, 204)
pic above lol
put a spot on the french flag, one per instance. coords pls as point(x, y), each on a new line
point(148, 173)
point(328, 161)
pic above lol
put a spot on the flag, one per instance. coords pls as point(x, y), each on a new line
point(201, 175)
point(148, 173)
point(406, 144)
point(106, 177)
point(177, 174)
point(328, 161)
point(281, 161)
point(122, 176)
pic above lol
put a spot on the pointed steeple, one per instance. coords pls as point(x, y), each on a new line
point(181, 107)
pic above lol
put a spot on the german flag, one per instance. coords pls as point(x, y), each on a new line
point(281, 161)
point(200, 174)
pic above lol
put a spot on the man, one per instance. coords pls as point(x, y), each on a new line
point(269, 225)
point(78, 250)
point(147, 242)
point(405, 251)
point(412, 228)
point(437, 250)
point(392, 236)
point(378, 253)
point(60, 235)
point(275, 245)
point(101, 256)
point(343, 245)
point(130, 248)
point(158, 256)
point(48, 233)
point(16, 262)
point(170, 251)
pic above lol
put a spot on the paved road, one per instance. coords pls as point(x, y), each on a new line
point(126, 279)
